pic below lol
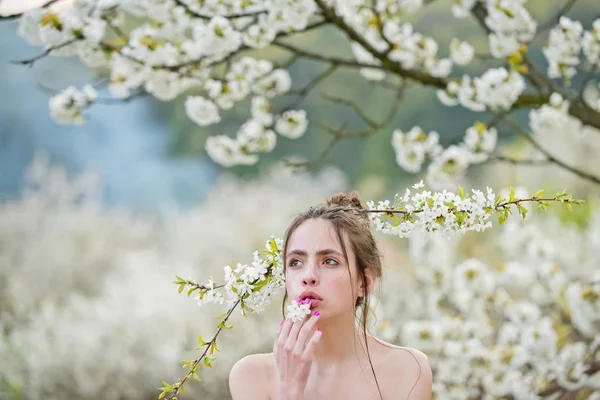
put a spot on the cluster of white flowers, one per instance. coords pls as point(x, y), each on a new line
point(553, 116)
point(461, 52)
point(496, 89)
point(513, 323)
point(67, 106)
point(415, 147)
point(447, 165)
point(297, 310)
point(564, 46)
point(511, 25)
point(439, 212)
point(182, 45)
point(591, 43)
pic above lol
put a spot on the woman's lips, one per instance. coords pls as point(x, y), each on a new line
point(314, 303)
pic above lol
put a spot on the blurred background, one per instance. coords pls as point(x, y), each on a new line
point(96, 220)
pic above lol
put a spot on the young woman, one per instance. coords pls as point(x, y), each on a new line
point(331, 262)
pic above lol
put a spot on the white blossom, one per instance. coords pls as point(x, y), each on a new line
point(297, 311)
point(201, 110)
point(562, 50)
point(67, 106)
point(292, 124)
point(481, 142)
point(461, 52)
point(591, 43)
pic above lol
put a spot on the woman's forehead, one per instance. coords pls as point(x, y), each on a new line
point(314, 235)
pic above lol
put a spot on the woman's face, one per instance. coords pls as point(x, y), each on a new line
point(315, 263)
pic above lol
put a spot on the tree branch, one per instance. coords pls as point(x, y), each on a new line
point(515, 161)
point(515, 127)
point(319, 57)
point(302, 93)
point(341, 133)
point(228, 16)
point(17, 16)
point(29, 62)
point(554, 20)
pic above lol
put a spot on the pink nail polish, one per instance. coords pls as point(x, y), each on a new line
point(307, 301)
point(319, 329)
point(298, 300)
point(317, 313)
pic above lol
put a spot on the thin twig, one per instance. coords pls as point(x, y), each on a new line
point(354, 107)
point(303, 93)
point(319, 57)
point(515, 127)
point(556, 18)
point(29, 62)
point(516, 161)
point(17, 16)
point(228, 16)
point(341, 133)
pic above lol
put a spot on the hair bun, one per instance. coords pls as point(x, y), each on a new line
point(341, 199)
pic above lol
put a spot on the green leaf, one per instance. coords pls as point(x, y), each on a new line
point(539, 194)
point(511, 196)
point(498, 200)
point(196, 377)
point(201, 341)
point(461, 192)
point(522, 210)
point(274, 245)
point(191, 291)
point(181, 287)
point(207, 362)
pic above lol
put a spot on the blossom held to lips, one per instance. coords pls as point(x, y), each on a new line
point(297, 311)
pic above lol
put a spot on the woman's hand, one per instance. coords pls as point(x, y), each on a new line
point(294, 351)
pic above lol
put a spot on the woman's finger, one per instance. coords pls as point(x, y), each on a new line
point(311, 347)
point(290, 344)
point(305, 332)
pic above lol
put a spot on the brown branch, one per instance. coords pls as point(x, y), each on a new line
point(556, 18)
point(515, 161)
point(228, 16)
point(319, 57)
point(515, 127)
point(17, 16)
point(555, 388)
point(197, 361)
point(355, 107)
point(341, 133)
point(29, 62)
point(584, 114)
point(302, 93)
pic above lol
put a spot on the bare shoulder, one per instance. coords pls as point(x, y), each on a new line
point(249, 377)
point(409, 365)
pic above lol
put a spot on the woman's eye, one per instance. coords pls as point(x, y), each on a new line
point(294, 263)
point(334, 262)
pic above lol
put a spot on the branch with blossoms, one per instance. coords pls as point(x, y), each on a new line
point(251, 287)
point(185, 45)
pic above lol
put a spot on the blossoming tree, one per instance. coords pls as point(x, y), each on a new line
point(167, 48)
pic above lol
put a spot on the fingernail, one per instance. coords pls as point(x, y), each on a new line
point(282, 321)
point(317, 313)
point(298, 300)
point(307, 301)
point(319, 329)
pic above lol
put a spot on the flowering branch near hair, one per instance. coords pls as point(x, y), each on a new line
point(251, 287)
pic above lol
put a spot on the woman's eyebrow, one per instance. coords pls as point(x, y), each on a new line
point(319, 253)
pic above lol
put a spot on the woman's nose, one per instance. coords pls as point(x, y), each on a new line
point(309, 277)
